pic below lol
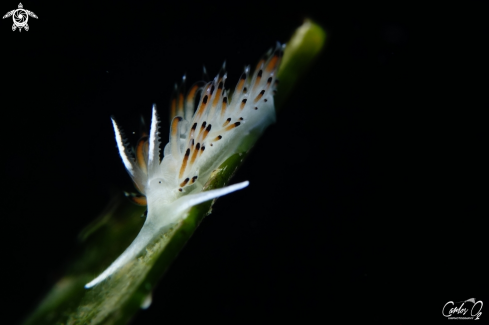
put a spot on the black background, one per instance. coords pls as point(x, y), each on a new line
point(364, 197)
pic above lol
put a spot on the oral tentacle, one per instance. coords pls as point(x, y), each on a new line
point(138, 176)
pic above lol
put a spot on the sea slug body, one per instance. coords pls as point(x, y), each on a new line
point(201, 139)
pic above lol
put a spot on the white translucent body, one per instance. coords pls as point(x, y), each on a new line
point(251, 107)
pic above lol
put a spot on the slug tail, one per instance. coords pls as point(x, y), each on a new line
point(145, 236)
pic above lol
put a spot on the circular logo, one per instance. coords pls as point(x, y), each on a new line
point(20, 17)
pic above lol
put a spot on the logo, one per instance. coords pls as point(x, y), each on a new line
point(459, 310)
point(20, 17)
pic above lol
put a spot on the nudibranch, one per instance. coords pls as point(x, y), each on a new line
point(201, 139)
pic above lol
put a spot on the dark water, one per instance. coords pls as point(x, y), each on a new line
point(329, 229)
